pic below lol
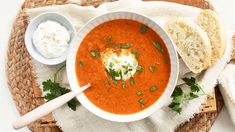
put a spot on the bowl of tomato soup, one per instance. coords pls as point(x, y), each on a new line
point(130, 62)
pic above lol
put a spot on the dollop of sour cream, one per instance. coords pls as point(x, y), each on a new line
point(51, 39)
point(122, 65)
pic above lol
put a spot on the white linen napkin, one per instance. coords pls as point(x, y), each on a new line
point(163, 119)
point(227, 85)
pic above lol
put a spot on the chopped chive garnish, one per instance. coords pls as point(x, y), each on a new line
point(81, 64)
point(163, 51)
point(111, 64)
point(123, 84)
point(153, 88)
point(95, 53)
point(139, 93)
point(152, 68)
point(143, 29)
point(157, 45)
point(108, 39)
point(115, 82)
point(136, 53)
point(132, 81)
point(113, 45)
point(139, 69)
point(142, 106)
point(166, 60)
point(124, 46)
point(141, 101)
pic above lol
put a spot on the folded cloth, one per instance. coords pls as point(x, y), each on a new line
point(163, 119)
point(227, 86)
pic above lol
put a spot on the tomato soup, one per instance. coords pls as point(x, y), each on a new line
point(127, 64)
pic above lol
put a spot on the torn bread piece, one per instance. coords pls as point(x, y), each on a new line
point(192, 43)
point(209, 22)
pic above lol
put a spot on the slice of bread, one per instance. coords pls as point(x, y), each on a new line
point(192, 43)
point(209, 22)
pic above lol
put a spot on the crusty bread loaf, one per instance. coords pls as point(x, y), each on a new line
point(209, 22)
point(192, 43)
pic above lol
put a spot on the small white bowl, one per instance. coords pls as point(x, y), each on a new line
point(71, 71)
point(33, 26)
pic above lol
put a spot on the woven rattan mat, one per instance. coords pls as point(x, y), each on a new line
point(21, 79)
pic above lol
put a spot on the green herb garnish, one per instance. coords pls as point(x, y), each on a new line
point(179, 97)
point(139, 69)
point(54, 90)
point(143, 29)
point(152, 68)
point(142, 106)
point(81, 64)
point(153, 88)
point(132, 81)
point(108, 39)
point(112, 73)
point(141, 101)
point(95, 53)
point(115, 82)
point(139, 93)
point(166, 60)
point(124, 46)
point(157, 45)
point(136, 53)
point(123, 84)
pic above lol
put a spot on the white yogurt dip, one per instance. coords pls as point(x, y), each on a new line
point(124, 64)
point(51, 39)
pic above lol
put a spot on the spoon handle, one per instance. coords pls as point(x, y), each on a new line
point(46, 108)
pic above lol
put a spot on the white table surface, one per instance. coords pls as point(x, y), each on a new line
point(8, 11)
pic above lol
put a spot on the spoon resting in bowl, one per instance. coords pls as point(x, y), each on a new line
point(47, 108)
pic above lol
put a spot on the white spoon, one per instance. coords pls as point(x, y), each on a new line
point(47, 108)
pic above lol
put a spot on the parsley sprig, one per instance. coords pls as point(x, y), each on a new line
point(54, 90)
point(179, 97)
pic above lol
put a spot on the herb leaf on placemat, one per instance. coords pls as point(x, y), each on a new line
point(179, 96)
point(54, 90)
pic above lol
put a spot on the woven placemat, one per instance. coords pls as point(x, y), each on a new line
point(21, 79)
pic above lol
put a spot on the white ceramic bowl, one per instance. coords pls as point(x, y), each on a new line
point(33, 26)
point(82, 97)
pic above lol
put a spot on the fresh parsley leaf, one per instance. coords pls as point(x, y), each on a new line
point(108, 39)
point(152, 68)
point(95, 53)
point(139, 69)
point(124, 46)
point(158, 46)
point(139, 93)
point(81, 64)
point(73, 103)
point(166, 60)
point(54, 90)
point(195, 88)
point(176, 107)
point(192, 83)
point(141, 101)
point(143, 29)
point(132, 81)
point(177, 92)
point(179, 96)
point(123, 84)
point(136, 53)
point(189, 81)
point(153, 88)
point(193, 96)
point(142, 106)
